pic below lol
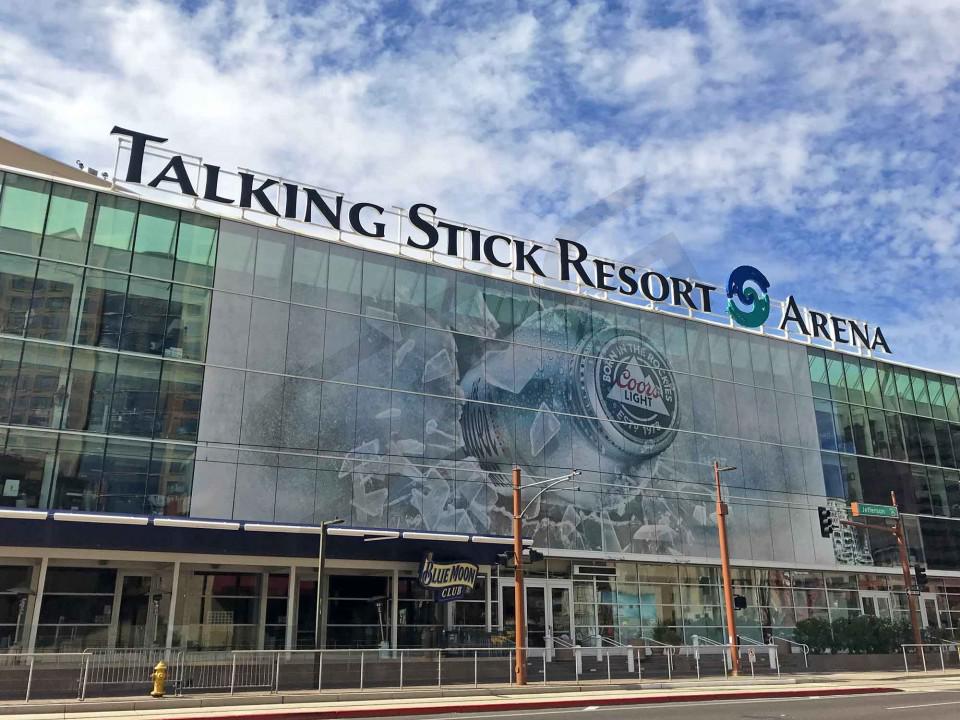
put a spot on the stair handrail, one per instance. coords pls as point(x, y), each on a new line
point(658, 643)
point(708, 641)
point(608, 641)
point(561, 643)
point(804, 648)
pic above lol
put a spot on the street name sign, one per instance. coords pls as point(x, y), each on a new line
point(859, 509)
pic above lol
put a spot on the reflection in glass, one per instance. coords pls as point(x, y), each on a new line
point(89, 391)
point(153, 246)
point(68, 224)
point(16, 290)
point(56, 297)
point(113, 227)
point(23, 207)
point(196, 249)
point(134, 407)
point(101, 309)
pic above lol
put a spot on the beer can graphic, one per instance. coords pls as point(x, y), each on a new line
point(616, 388)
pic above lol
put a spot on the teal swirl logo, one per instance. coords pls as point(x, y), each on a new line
point(757, 305)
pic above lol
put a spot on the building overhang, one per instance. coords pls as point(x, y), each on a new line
point(194, 536)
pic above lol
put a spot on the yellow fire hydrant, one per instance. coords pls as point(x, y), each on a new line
point(159, 677)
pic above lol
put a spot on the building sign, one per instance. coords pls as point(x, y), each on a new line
point(747, 300)
point(449, 581)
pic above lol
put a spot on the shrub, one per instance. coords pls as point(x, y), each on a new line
point(814, 632)
point(665, 634)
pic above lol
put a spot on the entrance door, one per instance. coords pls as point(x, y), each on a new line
point(876, 604)
point(137, 615)
point(548, 613)
point(929, 610)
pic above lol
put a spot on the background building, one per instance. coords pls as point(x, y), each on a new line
point(241, 383)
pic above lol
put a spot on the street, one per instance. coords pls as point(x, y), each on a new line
point(933, 704)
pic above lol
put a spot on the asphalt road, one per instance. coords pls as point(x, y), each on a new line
point(925, 705)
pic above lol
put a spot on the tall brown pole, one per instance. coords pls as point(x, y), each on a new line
point(518, 594)
point(725, 569)
point(907, 581)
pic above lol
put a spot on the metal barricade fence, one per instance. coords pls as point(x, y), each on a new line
point(943, 655)
point(99, 672)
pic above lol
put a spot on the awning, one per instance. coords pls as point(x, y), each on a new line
point(196, 536)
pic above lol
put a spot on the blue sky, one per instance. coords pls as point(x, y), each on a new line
point(814, 140)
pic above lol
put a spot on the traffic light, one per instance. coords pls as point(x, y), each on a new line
point(920, 575)
point(826, 521)
point(739, 602)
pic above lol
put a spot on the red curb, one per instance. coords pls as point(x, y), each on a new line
point(371, 712)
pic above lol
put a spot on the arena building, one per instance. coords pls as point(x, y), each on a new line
point(199, 367)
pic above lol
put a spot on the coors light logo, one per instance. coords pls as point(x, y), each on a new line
point(630, 383)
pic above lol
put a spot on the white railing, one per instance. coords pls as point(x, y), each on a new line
point(920, 649)
point(803, 647)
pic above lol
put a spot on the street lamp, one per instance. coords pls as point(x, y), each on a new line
point(519, 597)
point(725, 568)
point(321, 561)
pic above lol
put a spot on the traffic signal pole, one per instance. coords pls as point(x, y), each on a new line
point(897, 532)
point(905, 565)
point(727, 579)
point(519, 613)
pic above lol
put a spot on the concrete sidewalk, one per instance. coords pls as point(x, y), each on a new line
point(296, 706)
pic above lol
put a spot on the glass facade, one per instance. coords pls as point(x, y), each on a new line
point(160, 361)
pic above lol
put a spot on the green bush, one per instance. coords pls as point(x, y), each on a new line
point(814, 632)
point(858, 634)
point(665, 634)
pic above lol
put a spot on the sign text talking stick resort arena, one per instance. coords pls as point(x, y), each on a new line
point(746, 301)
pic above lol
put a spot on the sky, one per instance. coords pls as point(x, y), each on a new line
point(814, 140)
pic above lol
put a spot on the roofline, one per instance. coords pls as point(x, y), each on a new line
point(114, 189)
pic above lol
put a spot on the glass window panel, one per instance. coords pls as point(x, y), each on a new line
point(89, 391)
point(274, 265)
point(27, 457)
point(39, 398)
point(9, 368)
point(153, 247)
point(310, 272)
point(878, 431)
point(112, 239)
point(68, 224)
point(409, 343)
point(720, 363)
point(378, 287)
point(170, 482)
point(345, 280)
point(675, 339)
point(441, 297)
point(101, 309)
point(79, 473)
point(928, 441)
point(338, 417)
point(787, 417)
point(410, 297)
point(472, 314)
point(56, 297)
point(301, 413)
point(911, 430)
point(23, 209)
point(826, 427)
point(699, 349)
point(341, 347)
point(898, 450)
point(741, 401)
point(498, 296)
point(920, 394)
point(740, 356)
point(780, 358)
point(187, 322)
point(145, 316)
point(832, 476)
point(951, 398)
point(945, 447)
point(862, 441)
point(16, 291)
point(904, 391)
point(578, 322)
point(305, 341)
point(178, 414)
point(262, 410)
point(236, 256)
point(854, 380)
point(871, 383)
point(134, 407)
point(951, 483)
point(818, 373)
point(937, 402)
point(836, 378)
point(850, 473)
point(126, 466)
point(375, 365)
point(844, 425)
point(888, 387)
point(526, 312)
point(196, 249)
point(939, 503)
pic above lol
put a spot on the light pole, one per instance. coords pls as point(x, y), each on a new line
point(725, 570)
point(519, 609)
point(321, 561)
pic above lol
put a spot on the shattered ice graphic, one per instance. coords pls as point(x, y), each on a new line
point(440, 365)
point(543, 429)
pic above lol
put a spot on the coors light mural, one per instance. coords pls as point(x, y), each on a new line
point(606, 405)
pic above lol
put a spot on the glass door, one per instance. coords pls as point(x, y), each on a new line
point(875, 603)
point(929, 610)
point(537, 612)
point(137, 616)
